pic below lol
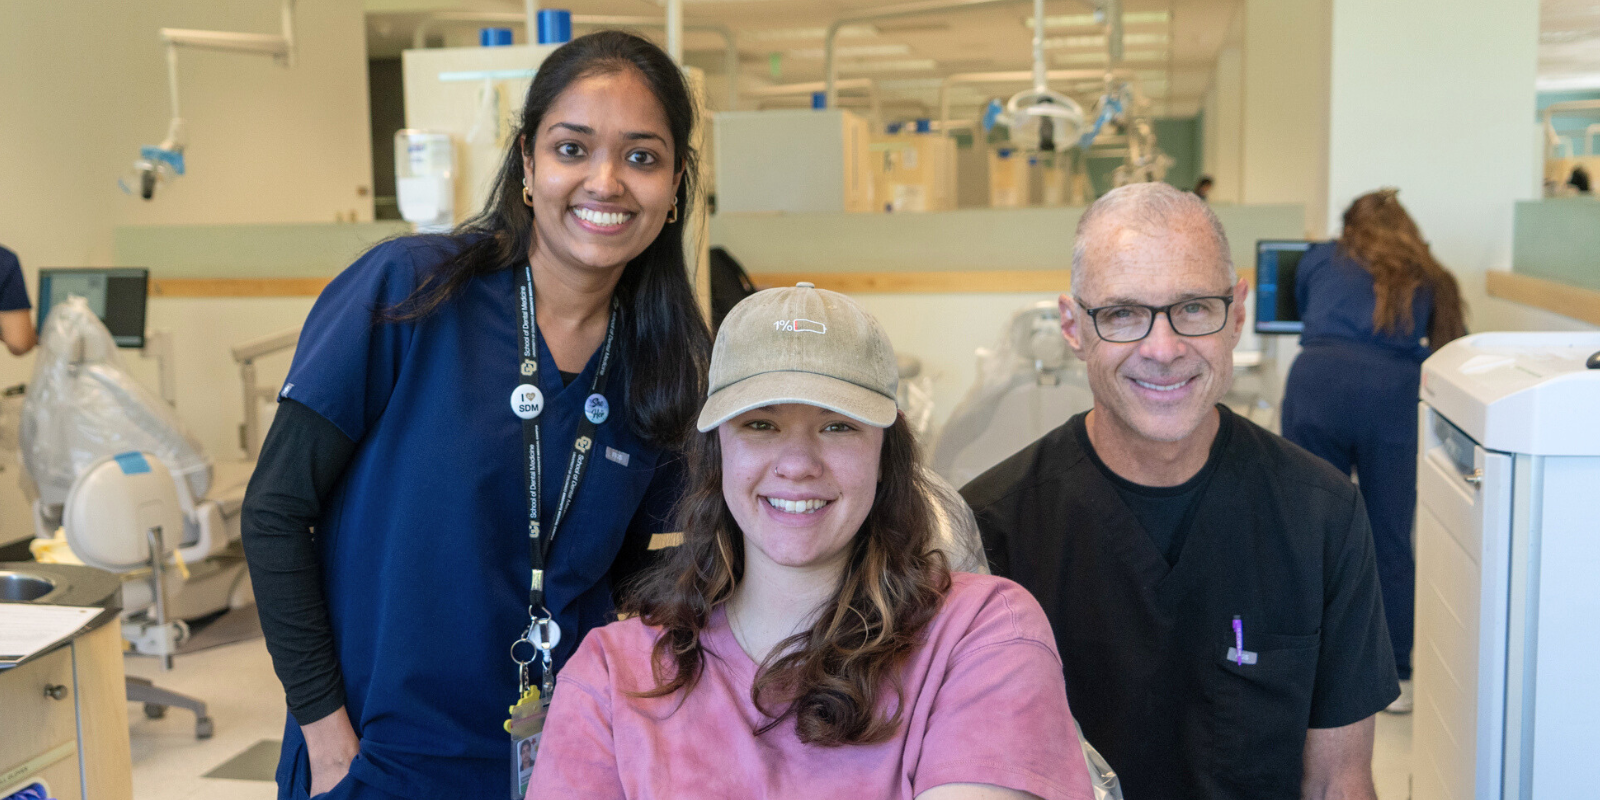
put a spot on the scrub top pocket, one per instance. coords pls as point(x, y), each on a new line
point(1261, 712)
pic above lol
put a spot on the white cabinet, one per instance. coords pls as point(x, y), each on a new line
point(49, 707)
point(1508, 569)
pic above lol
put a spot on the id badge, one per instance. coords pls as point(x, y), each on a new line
point(525, 726)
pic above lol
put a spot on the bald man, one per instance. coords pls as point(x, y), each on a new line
point(1212, 587)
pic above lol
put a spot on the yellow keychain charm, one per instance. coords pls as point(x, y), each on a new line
point(525, 726)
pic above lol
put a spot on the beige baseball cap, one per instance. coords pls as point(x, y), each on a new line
point(802, 344)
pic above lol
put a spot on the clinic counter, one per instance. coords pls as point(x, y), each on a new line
point(85, 587)
point(66, 710)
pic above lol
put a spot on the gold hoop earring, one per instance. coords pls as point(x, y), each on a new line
point(527, 197)
point(672, 216)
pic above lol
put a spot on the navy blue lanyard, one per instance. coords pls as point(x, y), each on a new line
point(540, 538)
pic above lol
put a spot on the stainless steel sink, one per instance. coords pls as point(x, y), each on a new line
point(21, 587)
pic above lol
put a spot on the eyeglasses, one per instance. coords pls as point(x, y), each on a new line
point(1123, 323)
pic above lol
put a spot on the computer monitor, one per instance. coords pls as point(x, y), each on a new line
point(1276, 263)
point(116, 295)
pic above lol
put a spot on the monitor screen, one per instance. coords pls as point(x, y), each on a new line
point(1276, 262)
point(116, 295)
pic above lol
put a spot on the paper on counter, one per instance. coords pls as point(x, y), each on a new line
point(26, 629)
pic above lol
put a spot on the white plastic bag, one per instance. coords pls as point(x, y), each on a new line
point(83, 405)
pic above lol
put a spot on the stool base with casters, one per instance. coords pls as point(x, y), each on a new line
point(156, 701)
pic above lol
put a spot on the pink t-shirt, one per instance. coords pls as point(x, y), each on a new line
point(984, 697)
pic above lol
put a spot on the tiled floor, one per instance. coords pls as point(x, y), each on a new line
point(247, 703)
point(1391, 757)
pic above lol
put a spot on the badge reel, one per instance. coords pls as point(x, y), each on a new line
point(526, 724)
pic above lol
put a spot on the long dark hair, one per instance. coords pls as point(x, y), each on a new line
point(831, 677)
point(663, 337)
point(1382, 238)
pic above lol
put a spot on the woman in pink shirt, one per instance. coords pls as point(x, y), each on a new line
point(807, 640)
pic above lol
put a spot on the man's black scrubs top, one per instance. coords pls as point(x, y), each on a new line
point(1275, 537)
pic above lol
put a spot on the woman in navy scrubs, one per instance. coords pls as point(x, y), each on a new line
point(388, 525)
point(1375, 304)
point(16, 323)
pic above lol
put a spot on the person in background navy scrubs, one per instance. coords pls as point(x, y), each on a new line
point(386, 525)
point(16, 324)
point(1375, 305)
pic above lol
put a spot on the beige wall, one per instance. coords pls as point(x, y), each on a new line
point(1398, 69)
point(1223, 127)
point(1284, 111)
point(83, 85)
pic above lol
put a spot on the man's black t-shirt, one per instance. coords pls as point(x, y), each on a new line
point(1275, 538)
point(1164, 512)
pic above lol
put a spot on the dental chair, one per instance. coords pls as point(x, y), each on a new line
point(1027, 385)
point(82, 407)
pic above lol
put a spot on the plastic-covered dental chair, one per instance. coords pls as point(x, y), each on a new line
point(1028, 384)
point(81, 407)
point(957, 529)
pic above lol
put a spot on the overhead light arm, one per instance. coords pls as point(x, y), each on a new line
point(1113, 12)
point(1040, 80)
point(830, 67)
point(419, 36)
point(155, 162)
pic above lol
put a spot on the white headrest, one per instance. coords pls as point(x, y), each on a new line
point(1035, 335)
point(114, 503)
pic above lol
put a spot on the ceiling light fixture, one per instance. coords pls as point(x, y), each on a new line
point(1069, 21)
point(1060, 42)
point(1100, 57)
point(801, 34)
point(892, 65)
point(912, 27)
point(1098, 40)
point(1096, 20)
point(1567, 37)
point(857, 51)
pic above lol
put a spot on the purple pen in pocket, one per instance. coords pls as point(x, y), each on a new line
point(1238, 640)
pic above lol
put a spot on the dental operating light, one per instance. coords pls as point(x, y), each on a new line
point(1042, 120)
point(158, 164)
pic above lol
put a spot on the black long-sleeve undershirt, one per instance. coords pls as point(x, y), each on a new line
point(301, 461)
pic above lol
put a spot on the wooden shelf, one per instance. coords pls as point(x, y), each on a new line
point(1054, 281)
point(237, 287)
point(1562, 298)
point(988, 281)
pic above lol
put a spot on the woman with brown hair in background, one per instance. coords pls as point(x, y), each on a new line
point(1375, 304)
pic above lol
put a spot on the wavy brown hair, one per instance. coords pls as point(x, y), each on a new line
point(1382, 238)
point(833, 677)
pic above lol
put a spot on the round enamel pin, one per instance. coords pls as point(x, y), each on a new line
point(527, 401)
point(596, 409)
